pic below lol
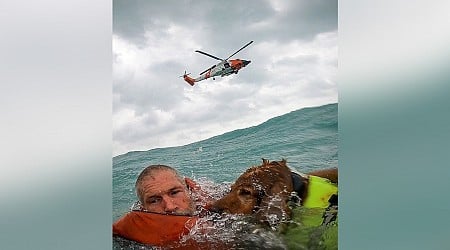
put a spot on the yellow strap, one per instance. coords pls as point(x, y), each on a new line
point(319, 192)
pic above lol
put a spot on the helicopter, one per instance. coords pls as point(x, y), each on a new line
point(224, 68)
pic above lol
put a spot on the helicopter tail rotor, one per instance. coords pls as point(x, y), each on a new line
point(188, 79)
point(185, 74)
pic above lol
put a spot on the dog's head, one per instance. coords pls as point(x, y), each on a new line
point(263, 191)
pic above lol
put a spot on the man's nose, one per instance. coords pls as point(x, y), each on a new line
point(170, 206)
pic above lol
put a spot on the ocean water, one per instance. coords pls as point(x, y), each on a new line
point(307, 138)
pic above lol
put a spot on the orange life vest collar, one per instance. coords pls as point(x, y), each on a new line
point(152, 228)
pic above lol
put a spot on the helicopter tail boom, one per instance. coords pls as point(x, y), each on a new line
point(189, 80)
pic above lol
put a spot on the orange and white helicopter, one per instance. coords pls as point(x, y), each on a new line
point(224, 68)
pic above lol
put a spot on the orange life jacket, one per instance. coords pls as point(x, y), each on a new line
point(152, 228)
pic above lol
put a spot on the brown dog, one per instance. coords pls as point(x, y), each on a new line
point(264, 191)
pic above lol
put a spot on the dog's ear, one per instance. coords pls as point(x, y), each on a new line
point(279, 190)
point(274, 207)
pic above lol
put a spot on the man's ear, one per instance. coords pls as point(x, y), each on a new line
point(191, 184)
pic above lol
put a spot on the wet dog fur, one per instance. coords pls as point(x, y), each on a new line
point(265, 191)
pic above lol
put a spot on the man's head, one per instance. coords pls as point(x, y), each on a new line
point(161, 189)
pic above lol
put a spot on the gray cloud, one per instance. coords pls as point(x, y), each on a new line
point(294, 64)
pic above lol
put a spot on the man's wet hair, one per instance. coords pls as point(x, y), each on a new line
point(150, 171)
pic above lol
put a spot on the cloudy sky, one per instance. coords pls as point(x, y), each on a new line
point(293, 65)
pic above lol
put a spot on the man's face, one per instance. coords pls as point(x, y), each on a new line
point(164, 193)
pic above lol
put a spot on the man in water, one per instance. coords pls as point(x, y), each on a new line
point(166, 209)
point(161, 189)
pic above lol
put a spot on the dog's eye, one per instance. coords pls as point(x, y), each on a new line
point(244, 192)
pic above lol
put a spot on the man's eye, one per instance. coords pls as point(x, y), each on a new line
point(154, 200)
point(175, 192)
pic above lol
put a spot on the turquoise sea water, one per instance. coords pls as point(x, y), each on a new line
point(306, 138)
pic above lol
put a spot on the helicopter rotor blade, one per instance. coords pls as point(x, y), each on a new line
point(207, 69)
point(206, 54)
point(239, 50)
